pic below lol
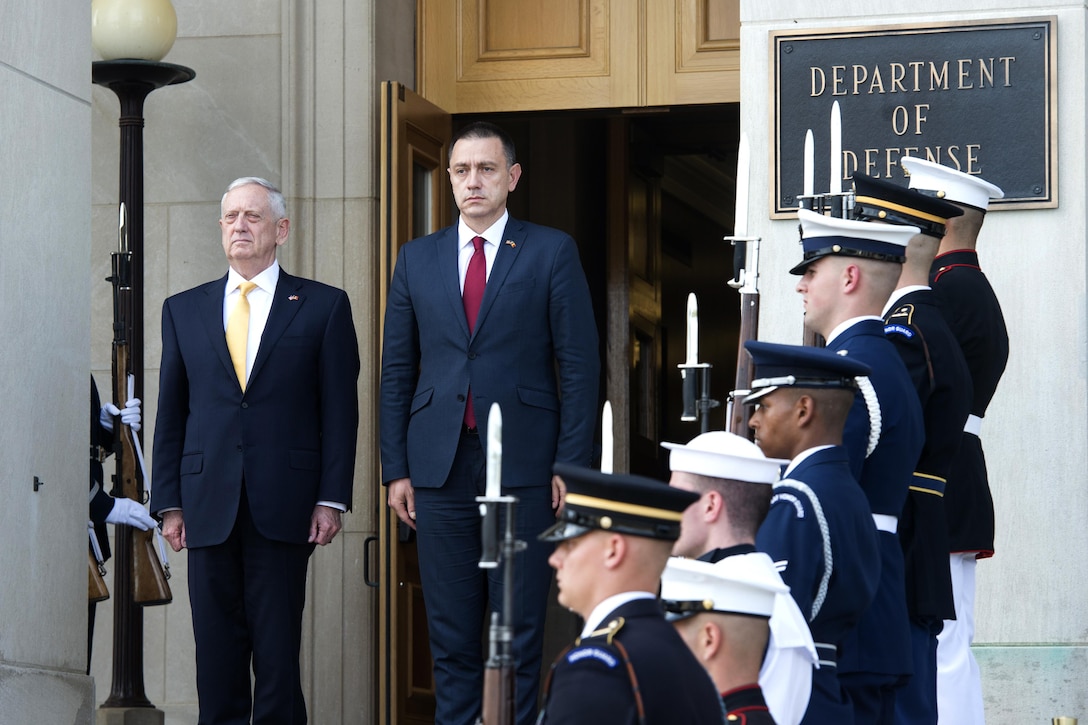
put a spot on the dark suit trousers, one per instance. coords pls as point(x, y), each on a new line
point(247, 596)
point(458, 594)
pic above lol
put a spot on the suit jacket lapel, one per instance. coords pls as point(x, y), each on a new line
point(211, 312)
point(287, 300)
point(446, 252)
point(513, 241)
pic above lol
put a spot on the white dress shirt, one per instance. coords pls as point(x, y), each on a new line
point(465, 249)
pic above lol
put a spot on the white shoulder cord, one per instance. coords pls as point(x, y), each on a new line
point(825, 537)
point(872, 405)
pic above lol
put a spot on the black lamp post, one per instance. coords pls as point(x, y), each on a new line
point(132, 81)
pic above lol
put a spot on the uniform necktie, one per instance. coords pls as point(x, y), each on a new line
point(472, 296)
point(238, 332)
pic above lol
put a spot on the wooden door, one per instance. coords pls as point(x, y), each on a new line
point(414, 201)
point(634, 342)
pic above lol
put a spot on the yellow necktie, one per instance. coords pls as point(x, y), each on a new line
point(238, 333)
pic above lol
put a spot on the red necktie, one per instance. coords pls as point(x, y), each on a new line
point(473, 295)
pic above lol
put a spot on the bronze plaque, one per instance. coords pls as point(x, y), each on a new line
point(979, 96)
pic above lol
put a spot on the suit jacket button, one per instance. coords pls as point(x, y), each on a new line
point(472, 356)
point(460, 398)
point(245, 405)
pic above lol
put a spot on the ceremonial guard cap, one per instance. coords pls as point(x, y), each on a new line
point(798, 366)
point(734, 585)
point(621, 503)
point(721, 454)
point(822, 236)
point(951, 185)
point(876, 200)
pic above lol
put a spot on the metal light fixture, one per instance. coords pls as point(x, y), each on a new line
point(132, 36)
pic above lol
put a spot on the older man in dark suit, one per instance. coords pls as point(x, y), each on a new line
point(492, 309)
point(254, 455)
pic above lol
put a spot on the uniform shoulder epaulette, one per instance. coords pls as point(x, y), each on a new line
point(589, 647)
point(608, 631)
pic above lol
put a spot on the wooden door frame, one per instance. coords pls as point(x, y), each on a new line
point(406, 120)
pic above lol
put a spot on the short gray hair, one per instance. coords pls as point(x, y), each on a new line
point(275, 196)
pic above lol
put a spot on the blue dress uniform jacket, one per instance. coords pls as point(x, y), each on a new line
point(820, 532)
point(881, 643)
point(936, 365)
point(593, 682)
point(972, 311)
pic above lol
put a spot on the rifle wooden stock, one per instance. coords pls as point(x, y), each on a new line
point(96, 583)
point(127, 480)
point(749, 329)
point(500, 670)
point(498, 704)
point(149, 581)
point(150, 586)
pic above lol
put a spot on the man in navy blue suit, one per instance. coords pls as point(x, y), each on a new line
point(848, 271)
point(254, 455)
point(491, 309)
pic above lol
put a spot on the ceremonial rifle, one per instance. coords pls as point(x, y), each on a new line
point(746, 281)
point(500, 669)
point(149, 574)
point(836, 202)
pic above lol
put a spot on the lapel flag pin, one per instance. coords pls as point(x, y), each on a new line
point(293, 298)
point(511, 243)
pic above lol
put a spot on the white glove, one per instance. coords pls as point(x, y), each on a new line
point(128, 512)
point(130, 415)
point(105, 417)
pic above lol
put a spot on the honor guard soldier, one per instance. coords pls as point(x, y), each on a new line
point(819, 531)
point(929, 350)
point(629, 665)
point(722, 611)
point(848, 271)
point(972, 311)
point(733, 479)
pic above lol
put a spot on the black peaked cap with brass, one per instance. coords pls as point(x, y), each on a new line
point(799, 366)
point(615, 502)
point(877, 200)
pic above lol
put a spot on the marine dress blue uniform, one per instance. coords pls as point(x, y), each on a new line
point(973, 313)
point(970, 307)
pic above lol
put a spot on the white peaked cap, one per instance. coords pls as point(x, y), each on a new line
point(720, 454)
point(818, 225)
point(743, 584)
point(948, 184)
